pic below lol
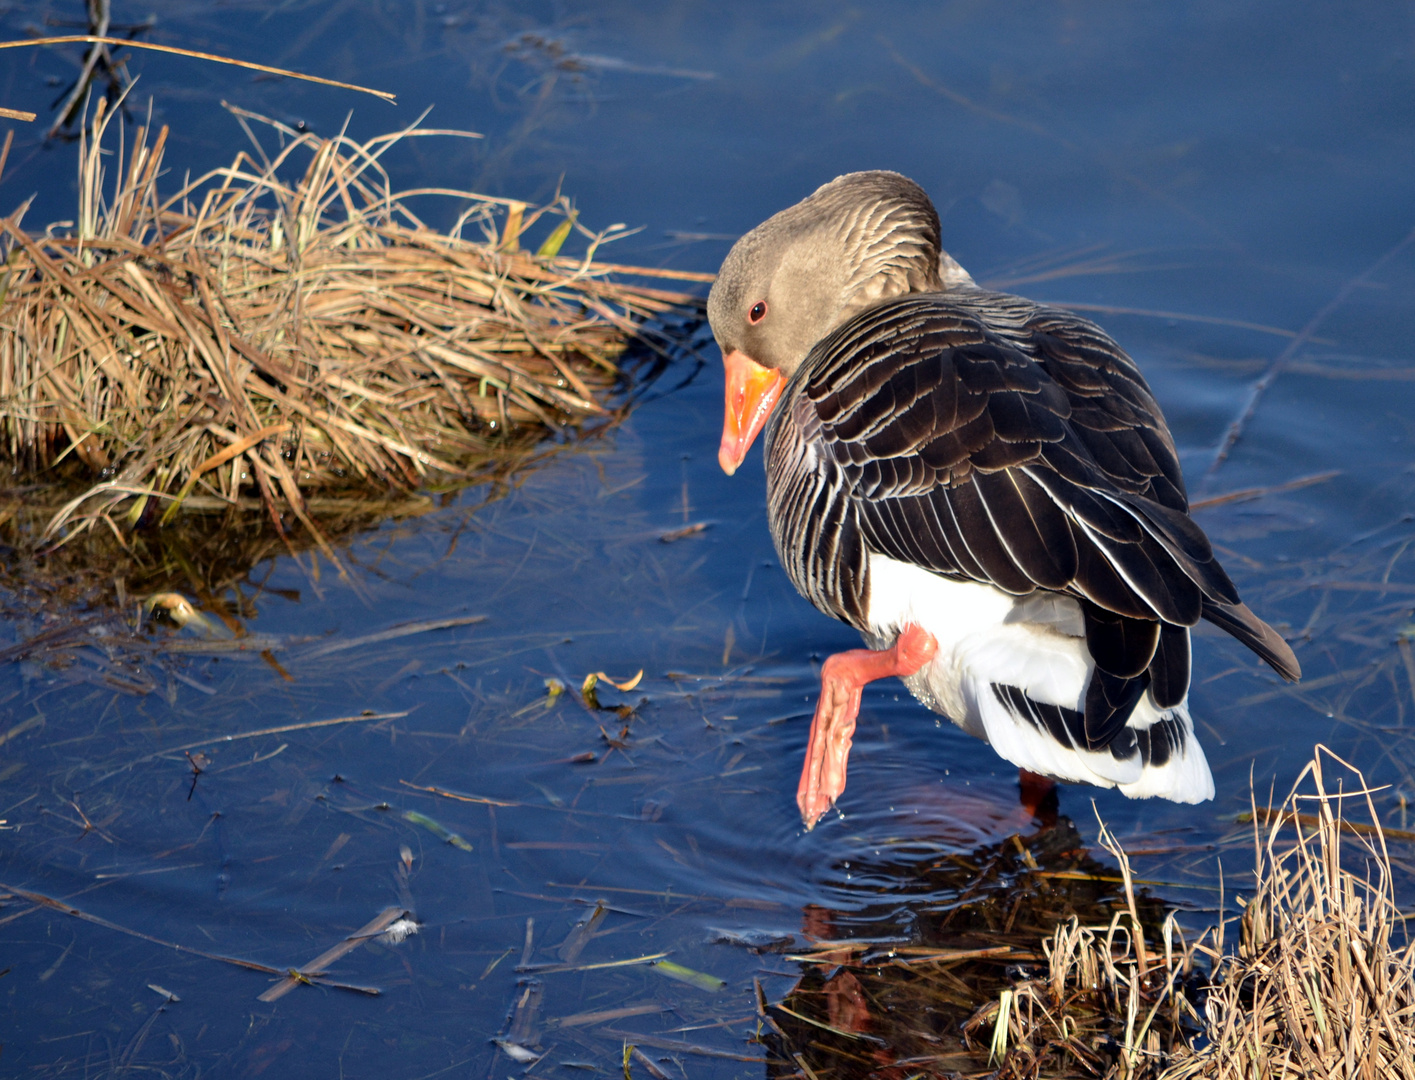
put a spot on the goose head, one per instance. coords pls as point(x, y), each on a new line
point(861, 239)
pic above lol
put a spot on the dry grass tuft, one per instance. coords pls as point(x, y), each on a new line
point(1320, 982)
point(1318, 986)
point(273, 332)
point(1111, 1003)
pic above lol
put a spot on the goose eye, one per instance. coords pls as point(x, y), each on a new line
point(758, 312)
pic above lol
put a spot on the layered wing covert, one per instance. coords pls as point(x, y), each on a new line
point(988, 439)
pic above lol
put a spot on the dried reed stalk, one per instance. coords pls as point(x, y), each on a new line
point(1316, 987)
point(277, 333)
point(1106, 1007)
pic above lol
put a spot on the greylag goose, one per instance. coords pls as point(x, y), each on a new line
point(983, 486)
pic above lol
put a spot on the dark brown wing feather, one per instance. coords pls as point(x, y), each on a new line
point(988, 439)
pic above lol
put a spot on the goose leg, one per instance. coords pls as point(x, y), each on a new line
point(1038, 796)
point(843, 677)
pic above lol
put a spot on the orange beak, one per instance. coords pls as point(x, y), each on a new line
point(752, 391)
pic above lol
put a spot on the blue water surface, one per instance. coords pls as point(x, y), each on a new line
point(1224, 186)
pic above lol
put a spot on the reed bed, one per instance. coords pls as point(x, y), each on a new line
point(287, 325)
point(1323, 980)
point(1320, 981)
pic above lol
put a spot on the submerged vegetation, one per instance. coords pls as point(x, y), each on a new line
point(287, 325)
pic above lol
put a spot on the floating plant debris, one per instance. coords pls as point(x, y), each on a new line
point(701, 979)
point(442, 832)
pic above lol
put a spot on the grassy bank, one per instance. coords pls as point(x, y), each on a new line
point(287, 325)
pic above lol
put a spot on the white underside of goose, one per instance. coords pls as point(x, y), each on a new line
point(1036, 644)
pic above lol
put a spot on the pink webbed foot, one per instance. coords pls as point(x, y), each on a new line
point(843, 677)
